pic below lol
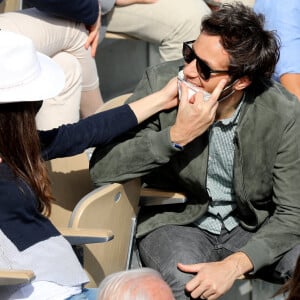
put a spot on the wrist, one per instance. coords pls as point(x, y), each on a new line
point(178, 147)
point(158, 102)
point(178, 137)
point(240, 264)
point(162, 100)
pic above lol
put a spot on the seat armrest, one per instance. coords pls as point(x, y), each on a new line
point(14, 277)
point(151, 197)
point(86, 235)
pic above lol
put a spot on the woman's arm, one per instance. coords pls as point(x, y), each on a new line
point(100, 129)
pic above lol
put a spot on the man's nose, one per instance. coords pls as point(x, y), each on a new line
point(190, 70)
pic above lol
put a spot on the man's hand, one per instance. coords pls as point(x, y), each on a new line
point(214, 279)
point(93, 38)
point(194, 116)
point(129, 2)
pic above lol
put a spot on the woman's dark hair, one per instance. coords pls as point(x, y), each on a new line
point(253, 51)
point(20, 149)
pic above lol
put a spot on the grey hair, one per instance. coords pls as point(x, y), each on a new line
point(132, 285)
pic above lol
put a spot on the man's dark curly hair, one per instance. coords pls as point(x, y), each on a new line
point(253, 50)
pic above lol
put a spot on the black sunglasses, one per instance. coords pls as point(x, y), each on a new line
point(203, 69)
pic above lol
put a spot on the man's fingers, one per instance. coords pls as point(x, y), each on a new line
point(188, 268)
point(219, 88)
point(184, 93)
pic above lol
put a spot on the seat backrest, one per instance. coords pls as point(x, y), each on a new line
point(115, 207)
point(70, 180)
point(70, 177)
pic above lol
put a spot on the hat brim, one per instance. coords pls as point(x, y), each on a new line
point(48, 84)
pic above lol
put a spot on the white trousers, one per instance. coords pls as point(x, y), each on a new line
point(64, 41)
point(167, 23)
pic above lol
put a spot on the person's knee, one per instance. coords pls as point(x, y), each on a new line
point(282, 270)
point(176, 279)
point(169, 271)
point(65, 107)
point(171, 243)
point(167, 255)
point(182, 29)
point(72, 70)
point(286, 265)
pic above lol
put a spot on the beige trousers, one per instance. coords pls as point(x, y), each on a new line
point(63, 41)
point(167, 23)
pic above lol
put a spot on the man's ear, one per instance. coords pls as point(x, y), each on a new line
point(242, 83)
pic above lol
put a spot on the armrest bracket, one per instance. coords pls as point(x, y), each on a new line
point(152, 196)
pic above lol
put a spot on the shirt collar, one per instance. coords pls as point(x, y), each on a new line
point(235, 117)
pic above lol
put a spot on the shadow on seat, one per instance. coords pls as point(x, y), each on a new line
point(114, 207)
point(70, 182)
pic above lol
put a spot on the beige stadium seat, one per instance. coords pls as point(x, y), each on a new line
point(113, 207)
point(15, 277)
point(78, 205)
point(10, 5)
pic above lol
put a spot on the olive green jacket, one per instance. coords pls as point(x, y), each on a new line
point(266, 167)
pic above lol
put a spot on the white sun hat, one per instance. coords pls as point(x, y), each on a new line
point(25, 74)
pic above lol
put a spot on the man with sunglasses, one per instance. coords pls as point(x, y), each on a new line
point(235, 154)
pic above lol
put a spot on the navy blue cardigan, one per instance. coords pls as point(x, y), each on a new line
point(20, 219)
point(82, 11)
